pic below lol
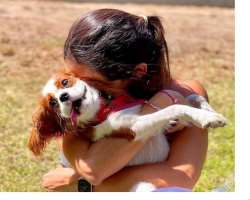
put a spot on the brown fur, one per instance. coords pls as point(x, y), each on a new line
point(123, 133)
point(71, 81)
point(46, 123)
point(45, 126)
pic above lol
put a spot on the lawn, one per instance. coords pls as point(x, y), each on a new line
point(32, 33)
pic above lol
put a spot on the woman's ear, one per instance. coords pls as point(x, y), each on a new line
point(45, 126)
point(140, 70)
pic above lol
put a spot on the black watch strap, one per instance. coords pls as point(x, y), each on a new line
point(84, 186)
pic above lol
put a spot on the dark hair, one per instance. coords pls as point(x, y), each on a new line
point(113, 42)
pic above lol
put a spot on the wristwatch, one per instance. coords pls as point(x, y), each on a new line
point(84, 186)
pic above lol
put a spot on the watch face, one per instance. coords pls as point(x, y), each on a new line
point(84, 186)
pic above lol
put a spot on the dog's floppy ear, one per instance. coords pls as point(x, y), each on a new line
point(36, 143)
point(45, 126)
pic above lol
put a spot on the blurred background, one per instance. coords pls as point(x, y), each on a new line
point(200, 36)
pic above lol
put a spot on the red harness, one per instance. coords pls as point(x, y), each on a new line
point(124, 102)
point(119, 103)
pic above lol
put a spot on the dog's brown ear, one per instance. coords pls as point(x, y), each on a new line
point(36, 143)
point(45, 126)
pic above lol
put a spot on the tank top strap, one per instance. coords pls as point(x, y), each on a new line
point(172, 97)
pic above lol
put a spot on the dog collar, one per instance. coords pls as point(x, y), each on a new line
point(117, 104)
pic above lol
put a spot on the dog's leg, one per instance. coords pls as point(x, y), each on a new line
point(196, 101)
point(146, 125)
point(149, 124)
point(118, 123)
point(101, 130)
point(199, 102)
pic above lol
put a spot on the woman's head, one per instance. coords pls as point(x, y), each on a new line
point(114, 43)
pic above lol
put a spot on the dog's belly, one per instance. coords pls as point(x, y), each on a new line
point(155, 150)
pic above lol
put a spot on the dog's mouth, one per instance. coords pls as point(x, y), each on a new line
point(75, 111)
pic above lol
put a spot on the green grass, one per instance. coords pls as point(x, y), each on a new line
point(31, 49)
point(219, 166)
point(19, 171)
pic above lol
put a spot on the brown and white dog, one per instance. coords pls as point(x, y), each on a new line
point(73, 105)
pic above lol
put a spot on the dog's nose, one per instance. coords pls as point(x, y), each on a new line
point(64, 97)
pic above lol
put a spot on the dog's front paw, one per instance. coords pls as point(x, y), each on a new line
point(214, 120)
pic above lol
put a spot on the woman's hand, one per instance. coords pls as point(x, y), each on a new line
point(60, 179)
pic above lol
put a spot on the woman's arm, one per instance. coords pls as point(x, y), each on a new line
point(102, 159)
point(93, 165)
point(183, 167)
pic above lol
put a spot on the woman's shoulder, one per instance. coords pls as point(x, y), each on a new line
point(188, 87)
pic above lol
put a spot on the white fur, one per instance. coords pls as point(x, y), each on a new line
point(49, 87)
point(199, 101)
point(143, 187)
point(148, 125)
point(90, 105)
point(155, 150)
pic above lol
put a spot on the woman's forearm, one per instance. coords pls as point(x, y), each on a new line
point(160, 175)
point(183, 167)
point(101, 159)
point(104, 161)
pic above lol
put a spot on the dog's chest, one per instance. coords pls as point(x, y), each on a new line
point(155, 150)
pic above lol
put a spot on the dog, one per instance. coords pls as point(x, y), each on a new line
point(73, 105)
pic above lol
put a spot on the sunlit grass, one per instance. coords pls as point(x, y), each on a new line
point(31, 49)
point(219, 166)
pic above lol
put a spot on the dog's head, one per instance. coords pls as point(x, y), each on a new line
point(72, 98)
point(67, 103)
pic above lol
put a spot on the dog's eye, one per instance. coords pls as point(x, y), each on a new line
point(53, 103)
point(65, 82)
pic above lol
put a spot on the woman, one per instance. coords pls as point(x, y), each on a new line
point(131, 52)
